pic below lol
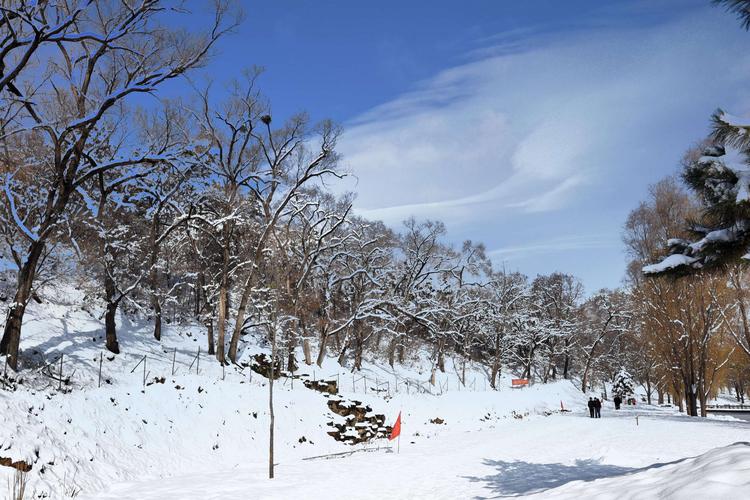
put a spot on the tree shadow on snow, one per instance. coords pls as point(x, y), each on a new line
point(523, 478)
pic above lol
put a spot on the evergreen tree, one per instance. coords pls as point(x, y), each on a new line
point(720, 177)
point(623, 386)
point(739, 7)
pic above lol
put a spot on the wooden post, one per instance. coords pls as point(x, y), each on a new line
point(399, 433)
point(354, 388)
point(198, 361)
point(174, 356)
point(144, 371)
point(223, 372)
point(61, 364)
point(101, 359)
point(364, 378)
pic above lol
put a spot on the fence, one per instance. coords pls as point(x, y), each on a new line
point(61, 370)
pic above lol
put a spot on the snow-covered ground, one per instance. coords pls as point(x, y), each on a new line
point(560, 456)
point(204, 435)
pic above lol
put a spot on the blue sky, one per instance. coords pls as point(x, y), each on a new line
point(531, 126)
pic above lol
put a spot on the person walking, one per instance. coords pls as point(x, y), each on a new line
point(597, 408)
point(591, 407)
point(618, 402)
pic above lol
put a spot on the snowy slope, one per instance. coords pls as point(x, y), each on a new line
point(203, 432)
point(83, 438)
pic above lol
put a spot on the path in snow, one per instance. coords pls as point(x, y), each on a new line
point(561, 456)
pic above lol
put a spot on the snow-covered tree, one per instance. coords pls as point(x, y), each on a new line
point(623, 384)
point(719, 175)
point(110, 52)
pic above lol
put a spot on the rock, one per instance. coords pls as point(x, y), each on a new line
point(361, 424)
point(18, 464)
point(262, 365)
point(324, 386)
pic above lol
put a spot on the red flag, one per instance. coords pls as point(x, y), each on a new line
point(396, 428)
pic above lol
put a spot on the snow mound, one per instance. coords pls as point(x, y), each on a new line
point(720, 473)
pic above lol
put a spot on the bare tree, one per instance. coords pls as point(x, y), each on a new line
point(114, 50)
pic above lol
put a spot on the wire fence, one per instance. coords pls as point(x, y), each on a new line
point(60, 370)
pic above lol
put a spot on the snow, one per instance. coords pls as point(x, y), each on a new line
point(204, 435)
point(670, 262)
point(734, 121)
point(560, 456)
point(720, 473)
point(735, 160)
point(12, 205)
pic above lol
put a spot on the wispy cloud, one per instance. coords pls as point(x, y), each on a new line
point(571, 130)
point(554, 245)
point(526, 129)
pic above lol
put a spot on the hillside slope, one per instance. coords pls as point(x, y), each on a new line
point(79, 437)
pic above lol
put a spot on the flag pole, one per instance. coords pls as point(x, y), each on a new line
point(398, 451)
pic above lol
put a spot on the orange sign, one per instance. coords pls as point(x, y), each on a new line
point(518, 382)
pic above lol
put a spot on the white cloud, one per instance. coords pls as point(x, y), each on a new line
point(567, 129)
point(513, 128)
point(554, 245)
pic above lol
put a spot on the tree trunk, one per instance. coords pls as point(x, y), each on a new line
point(691, 400)
point(547, 372)
point(496, 361)
point(240, 320)
point(392, 352)
point(9, 345)
point(358, 355)
point(307, 351)
point(495, 371)
point(270, 402)
point(154, 277)
point(342, 354)
point(322, 349)
point(222, 322)
point(210, 335)
point(110, 328)
point(157, 316)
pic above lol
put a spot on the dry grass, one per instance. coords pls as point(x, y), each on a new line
point(17, 485)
